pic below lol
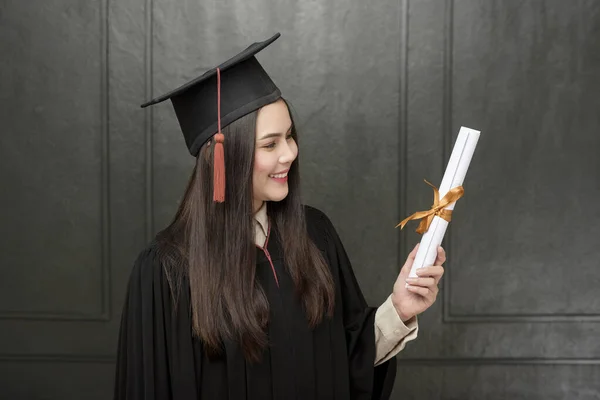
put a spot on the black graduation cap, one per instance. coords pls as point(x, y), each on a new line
point(244, 87)
point(217, 98)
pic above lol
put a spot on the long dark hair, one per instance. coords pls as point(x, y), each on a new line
point(213, 245)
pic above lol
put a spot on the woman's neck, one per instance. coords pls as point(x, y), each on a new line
point(257, 205)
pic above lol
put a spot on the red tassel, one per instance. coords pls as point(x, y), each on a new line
point(219, 169)
point(219, 152)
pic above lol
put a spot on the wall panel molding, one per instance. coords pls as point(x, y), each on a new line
point(437, 362)
point(403, 126)
point(105, 266)
point(149, 117)
point(447, 145)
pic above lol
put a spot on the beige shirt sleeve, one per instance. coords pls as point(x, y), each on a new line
point(391, 334)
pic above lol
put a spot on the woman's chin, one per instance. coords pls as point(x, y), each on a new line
point(278, 195)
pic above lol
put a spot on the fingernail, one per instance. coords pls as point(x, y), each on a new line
point(411, 280)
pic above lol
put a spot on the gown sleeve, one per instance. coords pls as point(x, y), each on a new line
point(154, 353)
point(368, 381)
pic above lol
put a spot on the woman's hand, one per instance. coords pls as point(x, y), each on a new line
point(421, 292)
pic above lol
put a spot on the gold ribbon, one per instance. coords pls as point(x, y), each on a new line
point(437, 209)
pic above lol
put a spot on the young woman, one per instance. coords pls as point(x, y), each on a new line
point(248, 294)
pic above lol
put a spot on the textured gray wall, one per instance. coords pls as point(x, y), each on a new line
point(519, 311)
point(379, 91)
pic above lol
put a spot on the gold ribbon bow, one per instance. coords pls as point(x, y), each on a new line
point(438, 208)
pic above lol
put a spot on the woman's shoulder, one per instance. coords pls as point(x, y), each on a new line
point(318, 224)
point(157, 260)
point(159, 250)
point(314, 216)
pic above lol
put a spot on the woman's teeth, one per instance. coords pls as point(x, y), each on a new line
point(279, 176)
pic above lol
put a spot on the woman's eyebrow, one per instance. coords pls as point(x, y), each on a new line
point(275, 134)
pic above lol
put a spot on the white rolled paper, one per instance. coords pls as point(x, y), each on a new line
point(454, 176)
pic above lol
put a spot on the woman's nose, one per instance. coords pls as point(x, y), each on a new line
point(288, 152)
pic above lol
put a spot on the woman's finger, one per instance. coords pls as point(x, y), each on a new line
point(435, 272)
point(423, 282)
point(410, 260)
point(441, 256)
point(423, 291)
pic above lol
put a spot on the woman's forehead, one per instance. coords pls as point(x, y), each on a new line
point(273, 118)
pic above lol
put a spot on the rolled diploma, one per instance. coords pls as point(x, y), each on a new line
point(459, 162)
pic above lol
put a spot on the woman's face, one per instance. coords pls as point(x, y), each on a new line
point(275, 150)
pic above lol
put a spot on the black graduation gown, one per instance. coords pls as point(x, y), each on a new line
point(159, 359)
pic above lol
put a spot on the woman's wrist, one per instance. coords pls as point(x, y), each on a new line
point(403, 316)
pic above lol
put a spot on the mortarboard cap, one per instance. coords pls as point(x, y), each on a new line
point(245, 87)
point(220, 96)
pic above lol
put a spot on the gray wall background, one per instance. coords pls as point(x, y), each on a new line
point(380, 91)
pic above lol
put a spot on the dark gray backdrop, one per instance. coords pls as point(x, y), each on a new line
point(380, 91)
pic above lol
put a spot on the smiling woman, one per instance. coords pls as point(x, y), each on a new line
point(274, 153)
point(248, 293)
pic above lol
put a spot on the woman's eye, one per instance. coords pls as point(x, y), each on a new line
point(272, 145)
